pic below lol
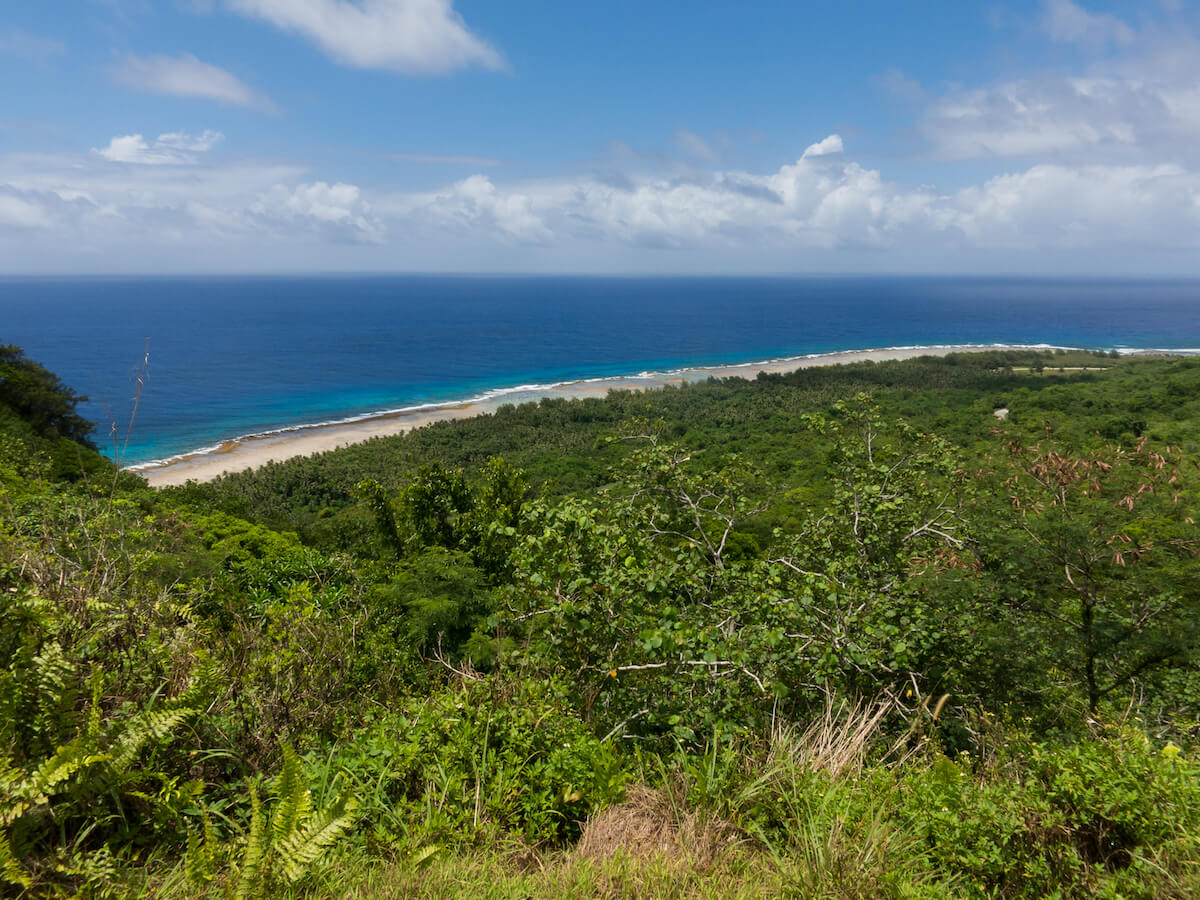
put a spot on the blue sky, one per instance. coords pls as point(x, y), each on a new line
point(651, 137)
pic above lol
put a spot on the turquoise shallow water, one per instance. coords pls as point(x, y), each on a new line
point(235, 356)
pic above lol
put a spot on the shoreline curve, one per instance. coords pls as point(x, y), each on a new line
point(251, 451)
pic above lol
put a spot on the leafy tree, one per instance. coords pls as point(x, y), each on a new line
point(383, 513)
point(1096, 553)
point(882, 560)
point(439, 507)
point(640, 598)
point(495, 516)
point(432, 604)
point(435, 507)
point(40, 398)
point(703, 509)
point(634, 598)
point(897, 493)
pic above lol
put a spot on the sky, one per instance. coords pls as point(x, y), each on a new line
point(654, 137)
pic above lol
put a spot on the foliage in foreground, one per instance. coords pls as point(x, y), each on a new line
point(431, 688)
point(812, 815)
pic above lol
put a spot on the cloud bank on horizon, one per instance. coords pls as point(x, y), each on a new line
point(302, 135)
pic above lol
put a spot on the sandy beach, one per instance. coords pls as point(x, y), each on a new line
point(252, 451)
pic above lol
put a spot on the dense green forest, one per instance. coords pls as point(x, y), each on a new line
point(908, 629)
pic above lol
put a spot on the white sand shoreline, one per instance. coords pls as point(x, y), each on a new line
point(254, 450)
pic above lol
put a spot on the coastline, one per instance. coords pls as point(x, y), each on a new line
point(255, 450)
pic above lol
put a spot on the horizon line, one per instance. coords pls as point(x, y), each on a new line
point(403, 273)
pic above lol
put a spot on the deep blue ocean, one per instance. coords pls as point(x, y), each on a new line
point(233, 356)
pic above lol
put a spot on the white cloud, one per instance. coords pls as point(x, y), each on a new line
point(1142, 105)
point(819, 204)
point(175, 148)
point(83, 205)
point(1121, 207)
point(816, 209)
point(186, 76)
point(53, 214)
point(1068, 22)
point(18, 210)
point(414, 36)
point(1027, 118)
point(831, 144)
point(336, 211)
point(475, 205)
point(132, 148)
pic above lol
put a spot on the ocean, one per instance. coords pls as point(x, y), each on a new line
point(230, 356)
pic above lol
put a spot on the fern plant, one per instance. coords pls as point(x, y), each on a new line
point(291, 839)
point(203, 851)
point(61, 798)
point(10, 870)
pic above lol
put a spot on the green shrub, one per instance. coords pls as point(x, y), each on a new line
point(1111, 815)
point(487, 757)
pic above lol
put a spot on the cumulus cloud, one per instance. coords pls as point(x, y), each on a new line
point(821, 203)
point(831, 144)
point(475, 206)
point(175, 148)
point(1142, 104)
point(186, 76)
point(52, 214)
point(336, 211)
point(413, 36)
point(1084, 207)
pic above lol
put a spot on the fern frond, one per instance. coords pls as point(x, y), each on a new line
point(251, 877)
point(179, 609)
point(98, 872)
point(54, 673)
point(35, 789)
point(54, 772)
point(200, 862)
point(11, 698)
point(10, 777)
point(94, 711)
point(294, 800)
point(205, 674)
point(194, 861)
point(149, 726)
point(10, 870)
point(210, 834)
point(298, 851)
point(95, 605)
point(12, 792)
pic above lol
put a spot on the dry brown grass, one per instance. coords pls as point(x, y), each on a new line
point(651, 824)
point(836, 743)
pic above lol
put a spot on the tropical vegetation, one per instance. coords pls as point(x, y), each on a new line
point(845, 632)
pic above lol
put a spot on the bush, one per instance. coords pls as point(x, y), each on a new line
point(483, 758)
point(1044, 819)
